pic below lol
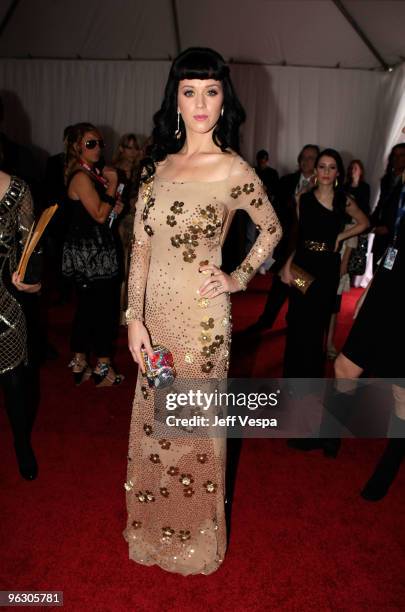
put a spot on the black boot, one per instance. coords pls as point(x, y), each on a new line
point(27, 462)
point(385, 472)
point(337, 408)
point(387, 467)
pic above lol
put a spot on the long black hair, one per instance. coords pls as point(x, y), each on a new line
point(390, 164)
point(340, 197)
point(194, 63)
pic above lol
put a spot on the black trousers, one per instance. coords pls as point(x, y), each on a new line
point(277, 296)
point(308, 322)
point(95, 325)
point(19, 402)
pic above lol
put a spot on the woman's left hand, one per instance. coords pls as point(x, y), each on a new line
point(217, 283)
point(15, 279)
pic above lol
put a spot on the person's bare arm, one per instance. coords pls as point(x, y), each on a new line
point(82, 188)
point(361, 222)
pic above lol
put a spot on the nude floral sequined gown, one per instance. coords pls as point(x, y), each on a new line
point(175, 487)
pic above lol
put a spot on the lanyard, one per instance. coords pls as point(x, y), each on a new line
point(94, 173)
point(400, 213)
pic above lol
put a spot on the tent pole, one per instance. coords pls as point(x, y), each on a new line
point(8, 15)
point(176, 26)
point(340, 6)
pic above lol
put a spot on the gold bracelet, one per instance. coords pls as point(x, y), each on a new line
point(242, 274)
point(130, 315)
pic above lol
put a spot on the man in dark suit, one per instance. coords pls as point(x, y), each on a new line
point(285, 207)
point(385, 213)
point(267, 174)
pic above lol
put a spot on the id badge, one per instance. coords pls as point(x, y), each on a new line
point(390, 258)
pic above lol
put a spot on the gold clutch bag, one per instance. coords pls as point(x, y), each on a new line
point(302, 279)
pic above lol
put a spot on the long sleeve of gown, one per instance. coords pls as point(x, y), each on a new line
point(25, 216)
point(247, 193)
point(140, 256)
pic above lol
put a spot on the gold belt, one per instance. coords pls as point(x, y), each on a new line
point(319, 247)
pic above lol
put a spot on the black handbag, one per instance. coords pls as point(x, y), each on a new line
point(358, 257)
point(35, 265)
point(33, 273)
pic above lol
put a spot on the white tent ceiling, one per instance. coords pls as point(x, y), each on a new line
point(317, 74)
point(291, 32)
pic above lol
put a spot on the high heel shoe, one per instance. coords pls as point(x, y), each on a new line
point(105, 376)
point(80, 370)
point(27, 462)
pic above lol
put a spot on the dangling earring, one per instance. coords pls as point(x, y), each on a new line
point(177, 133)
point(315, 180)
point(336, 183)
point(222, 111)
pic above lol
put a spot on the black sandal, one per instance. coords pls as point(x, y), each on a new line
point(80, 370)
point(106, 376)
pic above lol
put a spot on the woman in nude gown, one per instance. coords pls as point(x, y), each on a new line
point(179, 297)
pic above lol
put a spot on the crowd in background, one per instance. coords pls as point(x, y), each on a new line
point(87, 245)
point(62, 256)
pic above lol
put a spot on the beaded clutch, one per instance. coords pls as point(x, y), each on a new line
point(160, 370)
point(302, 279)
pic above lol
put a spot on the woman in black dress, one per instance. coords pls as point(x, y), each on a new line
point(322, 213)
point(90, 255)
point(376, 344)
point(359, 190)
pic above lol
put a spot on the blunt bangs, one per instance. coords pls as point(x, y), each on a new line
point(200, 63)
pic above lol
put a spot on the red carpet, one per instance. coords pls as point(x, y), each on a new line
point(302, 538)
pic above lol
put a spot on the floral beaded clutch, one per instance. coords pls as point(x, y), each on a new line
point(302, 279)
point(160, 371)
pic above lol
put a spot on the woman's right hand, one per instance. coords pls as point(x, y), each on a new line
point(17, 282)
point(138, 338)
point(111, 175)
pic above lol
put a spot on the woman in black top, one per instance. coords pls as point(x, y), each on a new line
point(359, 190)
point(322, 213)
point(90, 255)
